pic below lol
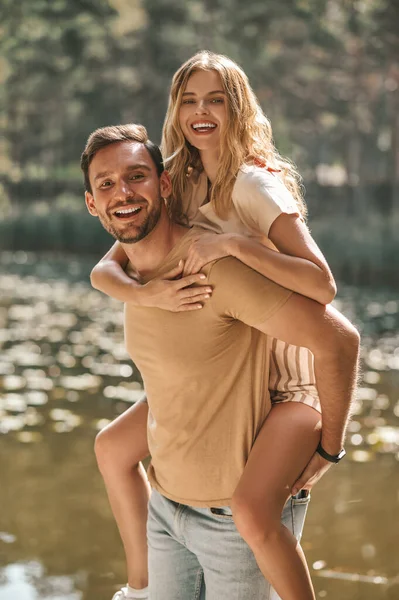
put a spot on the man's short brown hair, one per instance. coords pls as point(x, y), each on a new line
point(100, 138)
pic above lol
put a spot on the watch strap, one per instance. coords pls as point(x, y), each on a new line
point(333, 458)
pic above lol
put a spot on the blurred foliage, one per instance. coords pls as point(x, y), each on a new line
point(326, 73)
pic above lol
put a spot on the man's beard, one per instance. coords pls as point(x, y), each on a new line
point(140, 231)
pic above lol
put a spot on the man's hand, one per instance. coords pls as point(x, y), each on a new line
point(205, 249)
point(314, 471)
point(174, 294)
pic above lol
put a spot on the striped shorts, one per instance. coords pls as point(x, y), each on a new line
point(292, 377)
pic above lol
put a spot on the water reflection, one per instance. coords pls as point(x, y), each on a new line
point(54, 509)
point(64, 374)
point(23, 579)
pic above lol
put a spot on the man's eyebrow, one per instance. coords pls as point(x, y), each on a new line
point(101, 175)
point(135, 166)
point(208, 94)
point(142, 166)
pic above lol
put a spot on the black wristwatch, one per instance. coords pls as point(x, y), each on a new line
point(334, 458)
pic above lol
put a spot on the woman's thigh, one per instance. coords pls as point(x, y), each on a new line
point(283, 448)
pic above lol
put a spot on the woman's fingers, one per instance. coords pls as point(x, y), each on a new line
point(184, 293)
point(199, 297)
point(186, 307)
point(190, 280)
point(196, 267)
point(193, 262)
point(188, 265)
point(175, 272)
point(193, 298)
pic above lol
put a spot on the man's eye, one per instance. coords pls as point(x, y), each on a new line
point(136, 177)
point(106, 184)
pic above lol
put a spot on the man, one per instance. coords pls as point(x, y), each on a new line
point(204, 373)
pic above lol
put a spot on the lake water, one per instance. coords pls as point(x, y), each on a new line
point(64, 374)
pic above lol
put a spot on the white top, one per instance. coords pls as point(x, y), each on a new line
point(259, 197)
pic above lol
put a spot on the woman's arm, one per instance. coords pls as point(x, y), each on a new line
point(173, 292)
point(299, 265)
point(109, 276)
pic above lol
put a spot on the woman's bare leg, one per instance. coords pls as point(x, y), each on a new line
point(119, 449)
point(284, 446)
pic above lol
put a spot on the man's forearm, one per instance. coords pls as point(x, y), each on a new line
point(336, 377)
point(334, 343)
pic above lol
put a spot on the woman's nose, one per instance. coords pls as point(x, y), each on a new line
point(201, 108)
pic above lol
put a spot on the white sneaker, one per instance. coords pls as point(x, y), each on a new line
point(121, 594)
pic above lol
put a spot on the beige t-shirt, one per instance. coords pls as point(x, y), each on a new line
point(258, 198)
point(204, 374)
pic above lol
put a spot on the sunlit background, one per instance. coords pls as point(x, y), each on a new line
point(327, 74)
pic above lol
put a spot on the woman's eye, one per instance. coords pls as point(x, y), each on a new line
point(188, 102)
point(217, 100)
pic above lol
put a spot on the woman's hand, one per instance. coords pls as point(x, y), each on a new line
point(205, 249)
point(314, 471)
point(175, 295)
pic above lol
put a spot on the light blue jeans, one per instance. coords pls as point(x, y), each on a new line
point(197, 553)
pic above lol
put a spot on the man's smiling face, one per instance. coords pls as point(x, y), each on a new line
point(126, 191)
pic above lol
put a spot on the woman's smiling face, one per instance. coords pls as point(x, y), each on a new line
point(203, 110)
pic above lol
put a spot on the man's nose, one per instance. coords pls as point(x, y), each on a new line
point(123, 189)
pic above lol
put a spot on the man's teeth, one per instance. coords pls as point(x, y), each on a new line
point(127, 211)
point(204, 125)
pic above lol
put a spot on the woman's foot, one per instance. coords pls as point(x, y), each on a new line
point(129, 593)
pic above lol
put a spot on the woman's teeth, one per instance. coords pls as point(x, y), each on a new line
point(197, 126)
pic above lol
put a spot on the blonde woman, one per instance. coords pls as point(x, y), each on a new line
point(228, 177)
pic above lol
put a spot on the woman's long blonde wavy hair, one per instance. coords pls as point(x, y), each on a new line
point(247, 138)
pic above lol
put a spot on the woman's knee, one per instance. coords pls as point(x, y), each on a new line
point(106, 450)
point(256, 521)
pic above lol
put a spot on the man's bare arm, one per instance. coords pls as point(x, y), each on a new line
point(335, 345)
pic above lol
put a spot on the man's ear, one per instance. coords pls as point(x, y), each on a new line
point(91, 207)
point(165, 184)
